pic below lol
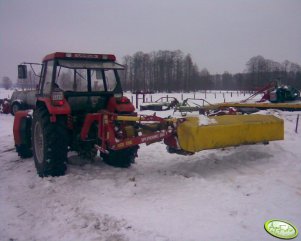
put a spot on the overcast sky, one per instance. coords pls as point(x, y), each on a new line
point(219, 34)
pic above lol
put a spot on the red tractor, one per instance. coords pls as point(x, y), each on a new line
point(79, 106)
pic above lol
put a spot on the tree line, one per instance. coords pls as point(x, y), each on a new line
point(171, 71)
point(29, 83)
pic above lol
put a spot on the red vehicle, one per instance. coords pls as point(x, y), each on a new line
point(4, 106)
point(79, 106)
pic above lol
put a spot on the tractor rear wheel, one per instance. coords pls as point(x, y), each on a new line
point(24, 151)
point(121, 158)
point(50, 144)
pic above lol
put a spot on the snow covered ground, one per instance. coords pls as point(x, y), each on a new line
point(213, 195)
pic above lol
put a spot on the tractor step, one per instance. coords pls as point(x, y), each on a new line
point(228, 130)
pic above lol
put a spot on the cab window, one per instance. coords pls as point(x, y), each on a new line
point(48, 77)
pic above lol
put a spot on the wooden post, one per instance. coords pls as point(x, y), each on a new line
point(297, 124)
point(137, 100)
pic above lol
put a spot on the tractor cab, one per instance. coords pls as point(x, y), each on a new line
point(86, 81)
point(79, 82)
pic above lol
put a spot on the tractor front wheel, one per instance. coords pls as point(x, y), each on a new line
point(121, 158)
point(50, 144)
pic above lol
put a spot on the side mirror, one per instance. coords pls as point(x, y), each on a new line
point(22, 71)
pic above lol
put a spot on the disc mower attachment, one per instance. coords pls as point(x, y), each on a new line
point(228, 130)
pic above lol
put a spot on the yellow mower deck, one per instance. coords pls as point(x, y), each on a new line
point(229, 130)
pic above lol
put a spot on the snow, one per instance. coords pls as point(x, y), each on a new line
point(204, 120)
point(225, 194)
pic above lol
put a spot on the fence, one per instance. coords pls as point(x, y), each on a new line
point(210, 96)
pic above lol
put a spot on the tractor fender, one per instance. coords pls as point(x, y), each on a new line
point(22, 128)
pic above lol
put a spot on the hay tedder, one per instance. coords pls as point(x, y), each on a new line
point(79, 106)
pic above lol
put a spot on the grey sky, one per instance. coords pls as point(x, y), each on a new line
point(219, 34)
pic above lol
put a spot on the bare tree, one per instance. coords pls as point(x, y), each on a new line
point(6, 83)
point(205, 79)
point(166, 70)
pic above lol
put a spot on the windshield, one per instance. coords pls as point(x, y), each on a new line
point(74, 75)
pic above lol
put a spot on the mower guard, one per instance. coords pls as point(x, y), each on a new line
point(229, 130)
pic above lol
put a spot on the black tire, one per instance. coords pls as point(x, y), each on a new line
point(24, 151)
point(50, 144)
point(121, 158)
point(15, 107)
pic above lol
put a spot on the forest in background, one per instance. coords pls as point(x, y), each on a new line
point(170, 71)
point(174, 71)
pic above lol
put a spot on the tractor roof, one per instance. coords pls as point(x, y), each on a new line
point(63, 55)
